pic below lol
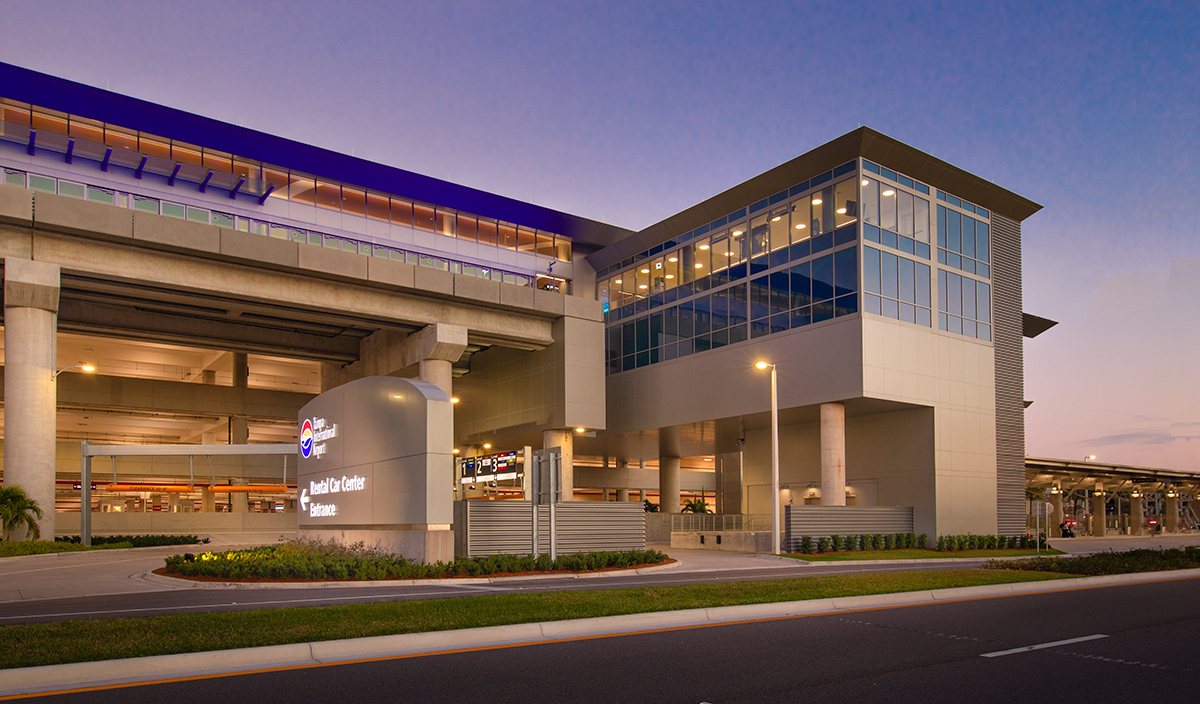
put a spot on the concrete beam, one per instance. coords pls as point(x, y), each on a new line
point(298, 292)
point(108, 320)
point(121, 393)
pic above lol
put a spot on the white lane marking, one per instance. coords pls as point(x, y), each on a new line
point(1040, 646)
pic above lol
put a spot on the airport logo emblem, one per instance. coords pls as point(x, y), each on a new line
point(314, 432)
point(306, 438)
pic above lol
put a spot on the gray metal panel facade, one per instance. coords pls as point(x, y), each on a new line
point(1010, 375)
point(505, 527)
point(824, 521)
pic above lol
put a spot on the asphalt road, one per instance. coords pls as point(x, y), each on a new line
point(1127, 643)
point(171, 601)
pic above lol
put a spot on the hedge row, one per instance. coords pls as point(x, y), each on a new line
point(952, 543)
point(848, 543)
point(322, 561)
point(1106, 562)
point(136, 541)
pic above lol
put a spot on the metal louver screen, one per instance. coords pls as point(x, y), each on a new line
point(505, 527)
point(1010, 376)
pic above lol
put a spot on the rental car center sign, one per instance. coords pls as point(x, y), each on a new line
point(375, 453)
point(330, 485)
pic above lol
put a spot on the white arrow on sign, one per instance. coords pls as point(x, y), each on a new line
point(304, 498)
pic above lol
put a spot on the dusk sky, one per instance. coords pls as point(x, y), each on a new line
point(627, 112)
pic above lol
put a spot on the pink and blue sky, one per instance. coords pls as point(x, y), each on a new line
point(628, 112)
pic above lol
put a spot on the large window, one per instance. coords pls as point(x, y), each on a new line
point(896, 287)
point(895, 218)
point(964, 305)
point(964, 243)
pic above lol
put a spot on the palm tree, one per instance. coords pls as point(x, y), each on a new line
point(18, 510)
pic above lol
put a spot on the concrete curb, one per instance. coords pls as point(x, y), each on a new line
point(49, 678)
point(180, 583)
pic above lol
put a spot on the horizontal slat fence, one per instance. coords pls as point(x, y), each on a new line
point(505, 527)
point(824, 521)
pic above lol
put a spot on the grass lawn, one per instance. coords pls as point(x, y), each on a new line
point(920, 554)
point(28, 645)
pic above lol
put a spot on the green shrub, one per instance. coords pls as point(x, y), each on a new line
point(822, 544)
point(850, 543)
point(806, 545)
point(136, 541)
point(835, 543)
point(315, 560)
point(1106, 562)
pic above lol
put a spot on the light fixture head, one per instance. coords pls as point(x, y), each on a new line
point(453, 399)
point(455, 450)
point(888, 192)
point(817, 201)
point(581, 430)
point(777, 218)
point(643, 286)
point(841, 211)
point(672, 259)
point(801, 226)
point(762, 365)
point(87, 368)
point(670, 276)
point(699, 266)
point(487, 445)
point(865, 182)
point(645, 271)
point(616, 281)
point(703, 247)
point(737, 232)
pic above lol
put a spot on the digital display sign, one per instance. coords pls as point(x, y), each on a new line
point(504, 465)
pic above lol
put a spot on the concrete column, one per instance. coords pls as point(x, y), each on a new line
point(1171, 514)
point(239, 430)
point(1099, 524)
point(439, 372)
point(1056, 516)
point(239, 425)
point(240, 500)
point(641, 495)
point(208, 376)
point(623, 495)
point(208, 500)
point(668, 484)
point(1136, 515)
point(31, 292)
point(564, 439)
point(607, 495)
point(833, 454)
point(241, 370)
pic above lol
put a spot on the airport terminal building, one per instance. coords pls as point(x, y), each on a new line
point(216, 279)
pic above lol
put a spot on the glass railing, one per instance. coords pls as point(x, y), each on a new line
point(259, 226)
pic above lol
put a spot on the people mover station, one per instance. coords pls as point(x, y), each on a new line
point(209, 328)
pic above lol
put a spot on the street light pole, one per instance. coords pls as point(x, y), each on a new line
point(774, 456)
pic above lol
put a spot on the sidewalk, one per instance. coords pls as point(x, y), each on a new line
point(100, 572)
point(1087, 544)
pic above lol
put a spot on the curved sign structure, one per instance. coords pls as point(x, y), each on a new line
point(376, 465)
